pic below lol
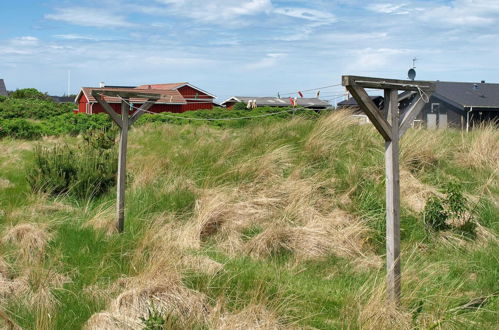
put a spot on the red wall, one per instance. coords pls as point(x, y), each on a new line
point(190, 93)
point(177, 108)
point(97, 108)
point(197, 106)
point(82, 104)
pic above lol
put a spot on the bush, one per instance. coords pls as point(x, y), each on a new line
point(268, 113)
point(454, 206)
point(32, 108)
point(240, 106)
point(20, 129)
point(29, 93)
point(435, 215)
point(84, 171)
point(75, 124)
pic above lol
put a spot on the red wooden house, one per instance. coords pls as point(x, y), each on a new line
point(175, 97)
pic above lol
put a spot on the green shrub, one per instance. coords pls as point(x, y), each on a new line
point(454, 206)
point(261, 113)
point(240, 106)
point(20, 129)
point(29, 93)
point(84, 171)
point(435, 215)
point(33, 108)
point(74, 124)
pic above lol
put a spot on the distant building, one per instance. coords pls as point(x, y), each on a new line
point(62, 99)
point(351, 103)
point(3, 90)
point(175, 97)
point(452, 104)
point(457, 104)
point(305, 102)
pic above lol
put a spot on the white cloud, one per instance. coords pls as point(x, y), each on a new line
point(25, 41)
point(388, 8)
point(94, 17)
point(463, 13)
point(372, 59)
point(268, 61)
point(457, 13)
point(307, 14)
point(217, 11)
point(75, 37)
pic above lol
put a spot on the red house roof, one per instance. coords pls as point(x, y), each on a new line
point(167, 96)
point(173, 86)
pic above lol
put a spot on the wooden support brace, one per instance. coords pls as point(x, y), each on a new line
point(370, 109)
point(129, 95)
point(383, 83)
point(141, 111)
point(409, 115)
point(107, 108)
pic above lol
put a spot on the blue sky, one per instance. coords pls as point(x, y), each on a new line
point(253, 47)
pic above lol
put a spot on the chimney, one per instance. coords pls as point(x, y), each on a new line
point(483, 81)
point(102, 84)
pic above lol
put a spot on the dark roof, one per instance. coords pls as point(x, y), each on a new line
point(466, 94)
point(350, 102)
point(63, 99)
point(3, 90)
point(307, 102)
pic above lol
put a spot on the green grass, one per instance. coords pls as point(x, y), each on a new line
point(174, 168)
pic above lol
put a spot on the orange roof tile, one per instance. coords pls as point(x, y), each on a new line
point(162, 86)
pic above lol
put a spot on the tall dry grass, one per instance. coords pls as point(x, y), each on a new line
point(425, 303)
point(483, 150)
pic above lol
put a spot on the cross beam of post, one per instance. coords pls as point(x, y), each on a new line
point(392, 127)
point(124, 122)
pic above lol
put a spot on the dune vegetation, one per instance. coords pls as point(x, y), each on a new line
point(275, 225)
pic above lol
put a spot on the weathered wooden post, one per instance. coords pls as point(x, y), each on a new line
point(392, 127)
point(124, 122)
point(121, 184)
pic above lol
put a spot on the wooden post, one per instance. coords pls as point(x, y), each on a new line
point(392, 197)
point(124, 122)
point(391, 128)
point(120, 205)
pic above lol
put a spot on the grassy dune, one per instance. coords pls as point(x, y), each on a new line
point(276, 225)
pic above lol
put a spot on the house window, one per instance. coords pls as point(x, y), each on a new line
point(435, 107)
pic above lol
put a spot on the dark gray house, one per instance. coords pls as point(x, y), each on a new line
point(457, 104)
point(306, 102)
point(453, 104)
point(63, 99)
point(351, 104)
point(3, 90)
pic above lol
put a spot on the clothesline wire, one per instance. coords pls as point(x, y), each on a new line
point(224, 119)
point(310, 90)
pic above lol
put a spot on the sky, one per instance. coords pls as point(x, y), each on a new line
point(246, 48)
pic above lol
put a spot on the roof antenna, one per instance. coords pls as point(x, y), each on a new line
point(412, 73)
